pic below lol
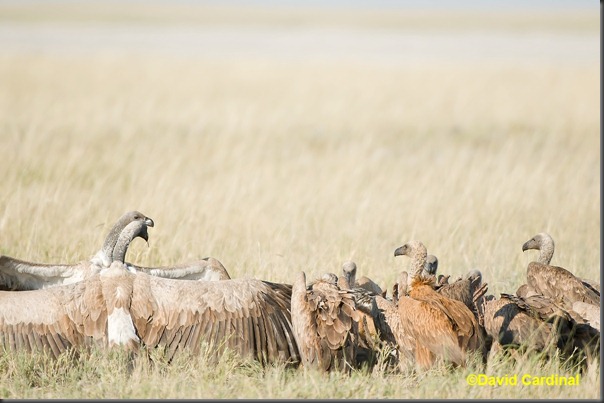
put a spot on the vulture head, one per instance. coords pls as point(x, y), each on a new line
point(349, 271)
point(542, 242)
point(431, 264)
point(418, 254)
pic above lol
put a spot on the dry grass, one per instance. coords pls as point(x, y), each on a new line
point(276, 167)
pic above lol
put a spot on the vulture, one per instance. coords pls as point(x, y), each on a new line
point(18, 275)
point(323, 322)
point(91, 311)
point(441, 327)
point(122, 307)
point(555, 282)
point(348, 279)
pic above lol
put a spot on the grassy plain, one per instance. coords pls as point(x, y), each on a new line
point(275, 166)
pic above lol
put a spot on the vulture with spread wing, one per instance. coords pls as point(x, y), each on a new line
point(91, 311)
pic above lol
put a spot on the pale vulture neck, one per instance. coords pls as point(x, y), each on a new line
point(546, 249)
point(106, 252)
point(418, 257)
point(131, 231)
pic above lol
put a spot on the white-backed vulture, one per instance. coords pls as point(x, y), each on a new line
point(94, 310)
point(348, 279)
point(442, 327)
point(323, 318)
point(555, 282)
point(119, 306)
point(18, 275)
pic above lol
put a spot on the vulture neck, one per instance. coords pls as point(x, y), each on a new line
point(546, 250)
point(418, 263)
point(131, 231)
point(106, 252)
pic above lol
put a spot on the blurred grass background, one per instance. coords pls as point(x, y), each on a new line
point(279, 139)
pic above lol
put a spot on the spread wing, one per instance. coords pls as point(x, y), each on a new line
point(208, 269)
point(19, 275)
point(53, 319)
point(249, 316)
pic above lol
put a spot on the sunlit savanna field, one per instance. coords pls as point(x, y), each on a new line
point(281, 139)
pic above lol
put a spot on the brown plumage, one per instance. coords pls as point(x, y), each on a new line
point(383, 318)
point(323, 318)
point(468, 290)
point(589, 313)
point(249, 316)
point(369, 285)
point(19, 275)
point(508, 323)
point(555, 282)
point(442, 327)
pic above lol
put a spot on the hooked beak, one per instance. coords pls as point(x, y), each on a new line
point(149, 222)
point(527, 245)
point(399, 251)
